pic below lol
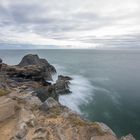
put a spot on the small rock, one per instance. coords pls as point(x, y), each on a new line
point(40, 134)
point(22, 131)
point(49, 103)
point(32, 101)
point(27, 117)
point(66, 78)
point(128, 137)
point(7, 108)
point(105, 128)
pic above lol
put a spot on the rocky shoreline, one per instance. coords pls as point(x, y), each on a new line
point(30, 108)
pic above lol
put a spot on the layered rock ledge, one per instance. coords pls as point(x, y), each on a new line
point(30, 108)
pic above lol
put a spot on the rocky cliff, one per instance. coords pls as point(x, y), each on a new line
point(30, 108)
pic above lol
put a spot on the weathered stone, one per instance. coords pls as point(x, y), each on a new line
point(128, 137)
point(49, 103)
point(31, 59)
point(106, 137)
point(22, 130)
point(45, 92)
point(7, 108)
point(32, 102)
point(62, 85)
point(33, 68)
point(105, 128)
point(40, 134)
point(66, 78)
point(27, 117)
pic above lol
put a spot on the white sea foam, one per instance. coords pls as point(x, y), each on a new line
point(81, 88)
point(81, 93)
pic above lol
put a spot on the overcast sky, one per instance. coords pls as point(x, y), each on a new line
point(70, 23)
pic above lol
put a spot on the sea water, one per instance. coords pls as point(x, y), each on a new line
point(105, 85)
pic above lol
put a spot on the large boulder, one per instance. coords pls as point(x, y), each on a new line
point(31, 59)
point(45, 92)
point(7, 108)
point(49, 103)
point(33, 68)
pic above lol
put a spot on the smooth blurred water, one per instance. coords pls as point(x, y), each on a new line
point(106, 85)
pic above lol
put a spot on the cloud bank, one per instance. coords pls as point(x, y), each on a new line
point(70, 24)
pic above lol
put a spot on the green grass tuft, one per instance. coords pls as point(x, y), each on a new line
point(3, 92)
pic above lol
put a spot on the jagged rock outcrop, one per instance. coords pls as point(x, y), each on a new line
point(33, 68)
point(31, 59)
point(61, 87)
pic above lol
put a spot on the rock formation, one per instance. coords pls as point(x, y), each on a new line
point(33, 68)
point(0, 63)
point(24, 116)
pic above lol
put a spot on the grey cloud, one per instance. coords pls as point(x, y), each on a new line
point(57, 20)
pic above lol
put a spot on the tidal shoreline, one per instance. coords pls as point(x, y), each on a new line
point(31, 110)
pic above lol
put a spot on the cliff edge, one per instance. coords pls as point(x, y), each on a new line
point(30, 108)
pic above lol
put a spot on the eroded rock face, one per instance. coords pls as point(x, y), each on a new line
point(33, 68)
point(7, 108)
point(105, 128)
point(62, 85)
point(31, 59)
point(128, 137)
point(49, 103)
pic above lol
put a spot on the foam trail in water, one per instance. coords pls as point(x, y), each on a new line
point(81, 93)
point(81, 90)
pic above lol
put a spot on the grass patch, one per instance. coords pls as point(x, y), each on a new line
point(78, 121)
point(54, 112)
point(3, 92)
point(98, 129)
point(91, 127)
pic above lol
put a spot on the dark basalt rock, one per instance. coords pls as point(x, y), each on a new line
point(33, 68)
point(0, 63)
point(45, 92)
point(0, 60)
point(31, 59)
point(65, 78)
point(49, 103)
point(62, 84)
point(61, 87)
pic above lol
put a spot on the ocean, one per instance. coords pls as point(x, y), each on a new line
point(105, 85)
